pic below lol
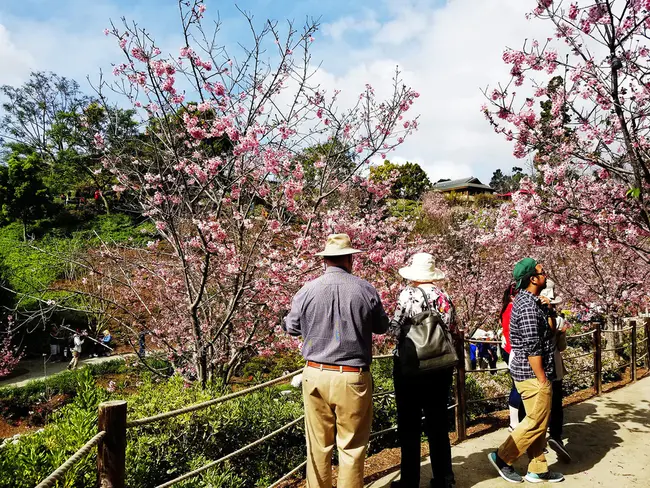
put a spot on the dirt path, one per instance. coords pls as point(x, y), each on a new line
point(607, 436)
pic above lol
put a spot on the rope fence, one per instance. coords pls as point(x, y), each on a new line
point(578, 356)
point(481, 341)
point(114, 427)
point(583, 334)
point(289, 474)
point(615, 331)
point(61, 471)
point(487, 370)
point(259, 441)
point(209, 403)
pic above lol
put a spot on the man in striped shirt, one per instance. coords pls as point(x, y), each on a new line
point(336, 315)
point(532, 368)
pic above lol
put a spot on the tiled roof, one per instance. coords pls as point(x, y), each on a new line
point(470, 182)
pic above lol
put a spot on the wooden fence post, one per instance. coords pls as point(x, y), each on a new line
point(598, 359)
point(111, 451)
point(461, 403)
point(633, 352)
point(647, 343)
point(646, 326)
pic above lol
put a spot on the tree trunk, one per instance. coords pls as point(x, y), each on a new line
point(105, 202)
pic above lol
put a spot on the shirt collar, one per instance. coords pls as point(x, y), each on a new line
point(335, 269)
point(535, 298)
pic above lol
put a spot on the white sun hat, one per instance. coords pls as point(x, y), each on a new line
point(338, 245)
point(549, 292)
point(422, 269)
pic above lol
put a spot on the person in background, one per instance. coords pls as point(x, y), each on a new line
point(473, 350)
point(336, 315)
point(426, 392)
point(533, 369)
point(56, 340)
point(102, 347)
point(559, 326)
point(515, 405)
point(490, 351)
point(106, 343)
point(78, 340)
point(479, 357)
point(142, 343)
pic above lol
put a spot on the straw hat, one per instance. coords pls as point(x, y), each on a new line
point(422, 269)
point(338, 245)
point(549, 292)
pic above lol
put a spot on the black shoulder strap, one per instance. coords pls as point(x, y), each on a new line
point(426, 298)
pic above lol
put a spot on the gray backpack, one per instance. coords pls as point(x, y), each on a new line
point(425, 342)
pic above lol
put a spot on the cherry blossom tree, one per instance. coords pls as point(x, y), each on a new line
point(9, 357)
point(218, 170)
point(478, 264)
point(590, 144)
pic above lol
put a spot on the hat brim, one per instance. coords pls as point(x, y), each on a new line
point(338, 252)
point(412, 274)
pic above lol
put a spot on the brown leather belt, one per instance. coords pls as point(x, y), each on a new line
point(334, 367)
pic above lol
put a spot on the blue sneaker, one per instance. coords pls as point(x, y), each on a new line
point(506, 471)
point(550, 476)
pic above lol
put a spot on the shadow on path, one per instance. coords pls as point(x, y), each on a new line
point(607, 437)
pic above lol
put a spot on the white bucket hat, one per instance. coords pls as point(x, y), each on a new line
point(549, 292)
point(422, 269)
point(338, 245)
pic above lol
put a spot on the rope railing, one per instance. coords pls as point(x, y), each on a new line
point(578, 356)
point(61, 471)
point(383, 393)
point(583, 334)
point(481, 341)
point(229, 397)
point(209, 403)
point(614, 331)
point(479, 400)
point(118, 427)
point(487, 370)
point(212, 464)
point(289, 474)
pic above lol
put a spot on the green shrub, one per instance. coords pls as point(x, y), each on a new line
point(27, 459)
point(22, 398)
point(164, 450)
point(272, 366)
point(167, 449)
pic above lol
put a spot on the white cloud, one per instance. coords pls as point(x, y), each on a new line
point(16, 63)
point(69, 40)
point(447, 53)
point(346, 25)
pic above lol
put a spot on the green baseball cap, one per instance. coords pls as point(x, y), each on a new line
point(524, 269)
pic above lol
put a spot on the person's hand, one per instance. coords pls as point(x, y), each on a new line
point(545, 300)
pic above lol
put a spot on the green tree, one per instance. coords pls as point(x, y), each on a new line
point(81, 138)
point(411, 180)
point(503, 183)
point(339, 158)
point(52, 116)
point(26, 197)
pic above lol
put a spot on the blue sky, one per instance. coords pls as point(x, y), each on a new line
point(447, 49)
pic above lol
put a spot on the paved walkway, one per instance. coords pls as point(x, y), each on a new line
point(35, 369)
point(608, 437)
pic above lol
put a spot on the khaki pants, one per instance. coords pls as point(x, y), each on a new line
point(75, 360)
point(337, 404)
point(530, 435)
